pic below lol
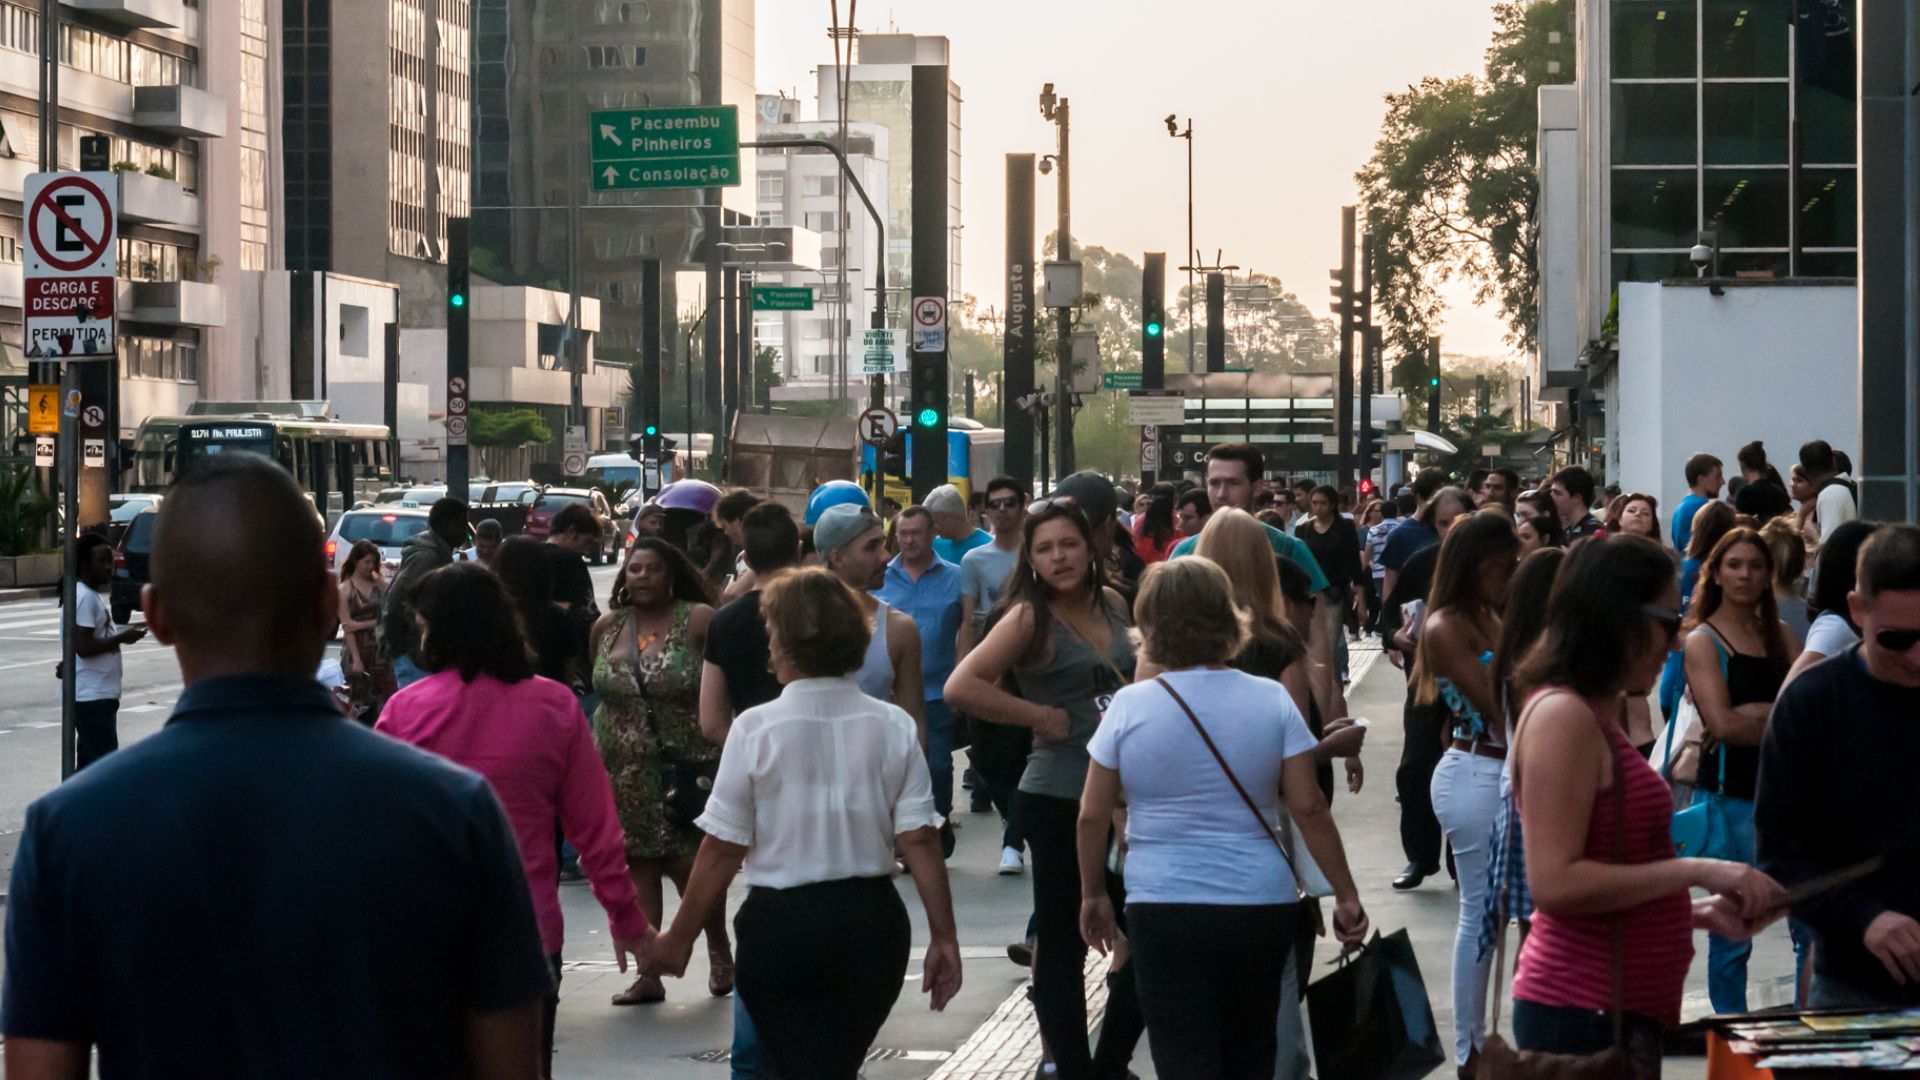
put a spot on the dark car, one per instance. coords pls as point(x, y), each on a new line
point(540, 518)
point(132, 559)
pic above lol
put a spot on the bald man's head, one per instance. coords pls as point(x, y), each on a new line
point(239, 577)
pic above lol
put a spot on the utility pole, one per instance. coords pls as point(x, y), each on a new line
point(1193, 254)
point(928, 378)
point(1056, 110)
point(1345, 310)
point(1433, 385)
point(1369, 348)
point(1016, 346)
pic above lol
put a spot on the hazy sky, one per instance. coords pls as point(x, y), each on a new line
point(1285, 97)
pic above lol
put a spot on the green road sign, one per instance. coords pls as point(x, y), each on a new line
point(782, 298)
point(1121, 380)
point(685, 147)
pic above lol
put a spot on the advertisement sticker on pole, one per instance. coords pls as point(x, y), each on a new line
point(71, 257)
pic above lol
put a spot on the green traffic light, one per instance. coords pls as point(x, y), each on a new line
point(651, 430)
point(457, 300)
point(1435, 381)
point(929, 417)
point(1153, 329)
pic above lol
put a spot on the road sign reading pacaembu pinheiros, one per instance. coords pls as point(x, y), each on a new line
point(695, 146)
point(782, 298)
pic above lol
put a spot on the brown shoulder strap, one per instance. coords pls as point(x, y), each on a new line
point(1252, 806)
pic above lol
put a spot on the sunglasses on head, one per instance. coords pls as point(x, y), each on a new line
point(1897, 640)
point(1039, 506)
point(1668, 618)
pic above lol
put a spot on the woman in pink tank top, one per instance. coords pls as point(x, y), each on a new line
point(1607, 889)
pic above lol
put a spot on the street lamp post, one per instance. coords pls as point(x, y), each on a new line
point(1054, 108)
point(1173, 129)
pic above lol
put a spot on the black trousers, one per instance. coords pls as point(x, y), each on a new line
point(1419, 755)
point(1209, 981)
point(1060, 953)
point(96, 730)
point(550, 1011)
point(819, 968)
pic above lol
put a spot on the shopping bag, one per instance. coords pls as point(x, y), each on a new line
point(1371, 1019)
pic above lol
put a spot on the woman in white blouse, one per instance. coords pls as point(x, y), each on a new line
point(814, 791)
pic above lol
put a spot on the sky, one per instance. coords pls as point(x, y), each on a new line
point(1284, 96)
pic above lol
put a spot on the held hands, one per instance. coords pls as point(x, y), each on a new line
point(1720, 914)
point(634, 947)
point(667, 957)
point(940, 978)
point(1895, 940)
point(1756, 896)
point(1097, 924)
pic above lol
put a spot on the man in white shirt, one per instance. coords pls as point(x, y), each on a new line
point(1835, 505)
point(96, 651)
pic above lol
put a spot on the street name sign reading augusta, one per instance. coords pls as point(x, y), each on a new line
point(71, 226)
point(686, 147)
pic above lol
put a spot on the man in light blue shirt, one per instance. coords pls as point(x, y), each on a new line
point(954, 533)
point(1705, 476)
point(927, 588)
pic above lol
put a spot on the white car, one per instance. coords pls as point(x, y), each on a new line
point(123, 508)
point(389, 528)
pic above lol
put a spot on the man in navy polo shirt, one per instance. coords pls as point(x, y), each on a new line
point(264, 888)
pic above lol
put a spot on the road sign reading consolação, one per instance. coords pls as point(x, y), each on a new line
point(692, 146)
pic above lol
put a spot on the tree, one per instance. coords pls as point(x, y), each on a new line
point(766, 374)
point(509, 430)
point(1450, 191)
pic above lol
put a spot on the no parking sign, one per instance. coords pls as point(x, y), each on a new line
point(71, 257)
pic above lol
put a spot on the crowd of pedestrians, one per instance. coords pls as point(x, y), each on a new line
point(1618, 730)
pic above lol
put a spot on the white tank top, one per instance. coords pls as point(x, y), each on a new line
point(876, 672)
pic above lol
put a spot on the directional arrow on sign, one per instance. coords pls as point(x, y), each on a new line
point(608, 133)
point(611, 174)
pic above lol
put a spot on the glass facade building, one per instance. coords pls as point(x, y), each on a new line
point(1734, 117)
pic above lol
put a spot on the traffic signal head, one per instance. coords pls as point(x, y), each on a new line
point(653, 429)
point(927, 417)
point(457, 299)
point(1154, 328)
point(1366, 487)
point(1434, 381)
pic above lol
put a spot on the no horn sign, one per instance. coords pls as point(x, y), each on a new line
point(71, 226)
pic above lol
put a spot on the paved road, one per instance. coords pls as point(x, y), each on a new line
point(985, 1034)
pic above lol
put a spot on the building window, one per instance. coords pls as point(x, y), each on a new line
point(1653, 39)
point(773, 186)
point(1653, 124)
point(1748, 207)
point(1828, 208)
point(1741, 39)
point(1744, 123)
point(1653, 208)
point(821, 185)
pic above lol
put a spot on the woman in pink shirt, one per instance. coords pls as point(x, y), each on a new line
point(484, 708)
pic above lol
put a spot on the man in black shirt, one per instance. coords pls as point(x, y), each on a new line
point(264, 888)
point(738, 673)
point(1836, 788)
point(574, 536)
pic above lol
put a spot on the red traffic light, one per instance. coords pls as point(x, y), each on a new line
point(1366, 487)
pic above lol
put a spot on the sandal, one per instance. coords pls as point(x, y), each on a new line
point(719, 974)
point(646, 990)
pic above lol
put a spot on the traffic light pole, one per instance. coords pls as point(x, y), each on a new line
point(1369, 348)
point(930, 396)
point(1063, 389)
point(1343, 396)
point(459, 345)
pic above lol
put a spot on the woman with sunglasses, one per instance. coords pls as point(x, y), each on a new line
point(1061, 635)
point(1595, 820)
point(1738, 653)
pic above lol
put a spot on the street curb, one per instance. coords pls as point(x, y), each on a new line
point(11, 596)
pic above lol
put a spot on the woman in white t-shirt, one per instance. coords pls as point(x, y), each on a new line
point(1832, 631)
point(1211, 897)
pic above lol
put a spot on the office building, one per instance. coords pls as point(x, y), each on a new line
point(880, 92)
point(803, 188)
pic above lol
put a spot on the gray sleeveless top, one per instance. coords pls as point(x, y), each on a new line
point(1080, 680)
point(875, 676)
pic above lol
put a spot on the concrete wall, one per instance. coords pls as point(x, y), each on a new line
point(1557, 361)
point(1777, 362)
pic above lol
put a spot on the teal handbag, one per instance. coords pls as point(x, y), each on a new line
point(1697, 830)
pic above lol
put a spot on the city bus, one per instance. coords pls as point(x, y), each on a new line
point(975, 455)
point(337, 464)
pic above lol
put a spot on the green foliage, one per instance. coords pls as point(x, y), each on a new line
point(1450, 191)
point(511, 429)
point(766, 373)
point(24, 511)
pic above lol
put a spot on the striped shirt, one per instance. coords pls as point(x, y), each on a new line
point(1568, 959)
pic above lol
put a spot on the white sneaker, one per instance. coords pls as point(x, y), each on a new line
point(1010, 863)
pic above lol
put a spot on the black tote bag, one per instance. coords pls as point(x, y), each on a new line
point(1370, 1017)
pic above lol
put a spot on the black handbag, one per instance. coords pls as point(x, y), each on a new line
point(1371, 1019)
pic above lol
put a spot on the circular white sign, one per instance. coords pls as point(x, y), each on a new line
point(457, 386)
point(457, 426)
point(95, 416)
point(574, 464)
point(930, 311)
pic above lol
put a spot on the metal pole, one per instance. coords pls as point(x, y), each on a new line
point(576, 169)
point(69, 556)
point(1064, 316)
point(1193, 253)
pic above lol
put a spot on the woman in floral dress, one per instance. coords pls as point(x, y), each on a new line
point(647, 656)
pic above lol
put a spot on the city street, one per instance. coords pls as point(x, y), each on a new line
point(987, 1032)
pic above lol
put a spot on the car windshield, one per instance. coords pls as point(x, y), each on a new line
point(387, 530)
point(139, 537)
point(555, 499)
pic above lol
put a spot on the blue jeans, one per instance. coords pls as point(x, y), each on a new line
point(745, 1057)
point(1726, 958)
point(406, 672)
point(940, 754)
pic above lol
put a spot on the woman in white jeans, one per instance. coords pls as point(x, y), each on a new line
point(1452, 665)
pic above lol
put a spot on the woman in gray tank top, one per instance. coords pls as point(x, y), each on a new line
point(1062, 638)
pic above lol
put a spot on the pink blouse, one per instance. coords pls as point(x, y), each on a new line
point(531, 741)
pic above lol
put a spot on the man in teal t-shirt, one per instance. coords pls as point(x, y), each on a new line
point(1705, 477)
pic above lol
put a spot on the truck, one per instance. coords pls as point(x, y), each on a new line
point(783, 458)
